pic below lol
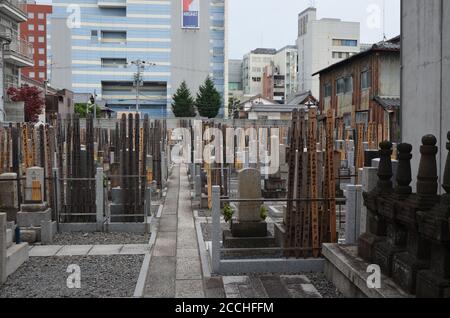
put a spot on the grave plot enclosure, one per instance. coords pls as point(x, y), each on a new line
point(93, 172)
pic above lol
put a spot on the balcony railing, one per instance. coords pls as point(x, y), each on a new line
point(19, 51)
point(16, 9)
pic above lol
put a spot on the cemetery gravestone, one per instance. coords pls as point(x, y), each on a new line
point(249, 223)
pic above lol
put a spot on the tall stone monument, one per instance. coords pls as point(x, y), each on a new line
point(249, 223)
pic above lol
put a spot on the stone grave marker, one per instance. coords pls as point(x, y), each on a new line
point(34, 184)
point(249, 223)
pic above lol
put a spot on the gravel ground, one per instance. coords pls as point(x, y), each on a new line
point(324, 286)
point(101, 277)
point(79, 238)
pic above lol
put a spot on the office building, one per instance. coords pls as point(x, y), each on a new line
point(114, 47)
point(322, 43)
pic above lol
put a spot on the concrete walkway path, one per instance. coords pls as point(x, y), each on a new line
point(175, 269)
point(82, 250)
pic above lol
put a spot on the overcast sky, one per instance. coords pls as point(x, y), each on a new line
point(273, 23)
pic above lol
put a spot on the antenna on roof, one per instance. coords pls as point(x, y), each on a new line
point(312, 3)
point(384, 21)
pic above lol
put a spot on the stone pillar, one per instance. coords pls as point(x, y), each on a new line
point(99, 198)
point(376, 224)
point(369, 183)
point(163, 170)
point(216, 230)
point(198, 186)
point(385, 174)
point(352, 213)
point(406, 264)
point(2, 248)
point(427, 177)
point(434, 227)
point(8, 191)
point(394, 235)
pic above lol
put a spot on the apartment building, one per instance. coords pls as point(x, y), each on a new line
point(35, 31)
point(280, 76)
point(17, 53)
point(253, 70)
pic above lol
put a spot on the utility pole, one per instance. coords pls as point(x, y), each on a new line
point(138, 80)
point(5, 39)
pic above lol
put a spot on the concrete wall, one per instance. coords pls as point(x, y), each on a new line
point(15, 112)
point(425, 74)
point(61, 59)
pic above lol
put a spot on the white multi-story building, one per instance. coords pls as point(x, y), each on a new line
point(280, 77)
point(322, 43)
point(253, 69)
point(286, 61)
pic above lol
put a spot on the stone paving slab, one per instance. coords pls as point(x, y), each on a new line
point(161, 278)
point(188, 268)
point(168, 223)
point(93, 250)
point(45, 250)
point(105, 250)
point(269, 286)
point(214, 287)
point(274, 287)
point(74, 250)
point(135, 249)
point(189, 289)
point(188, 252)
point(166, 244)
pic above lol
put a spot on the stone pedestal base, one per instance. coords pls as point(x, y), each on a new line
point(30, 219)
point(204, 201)
point(230, 241)
point(280, 232)
point(366, 246)
point(384, 256)
point(249, 229)
point(429, 285)
point(404, 271)
point(274, 194)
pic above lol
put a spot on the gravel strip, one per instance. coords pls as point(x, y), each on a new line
point(79, 238)
point(324, 286)
point(101, 277)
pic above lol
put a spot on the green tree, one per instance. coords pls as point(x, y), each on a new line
point(183, 102)
point(81, 108)
point(208, 100)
